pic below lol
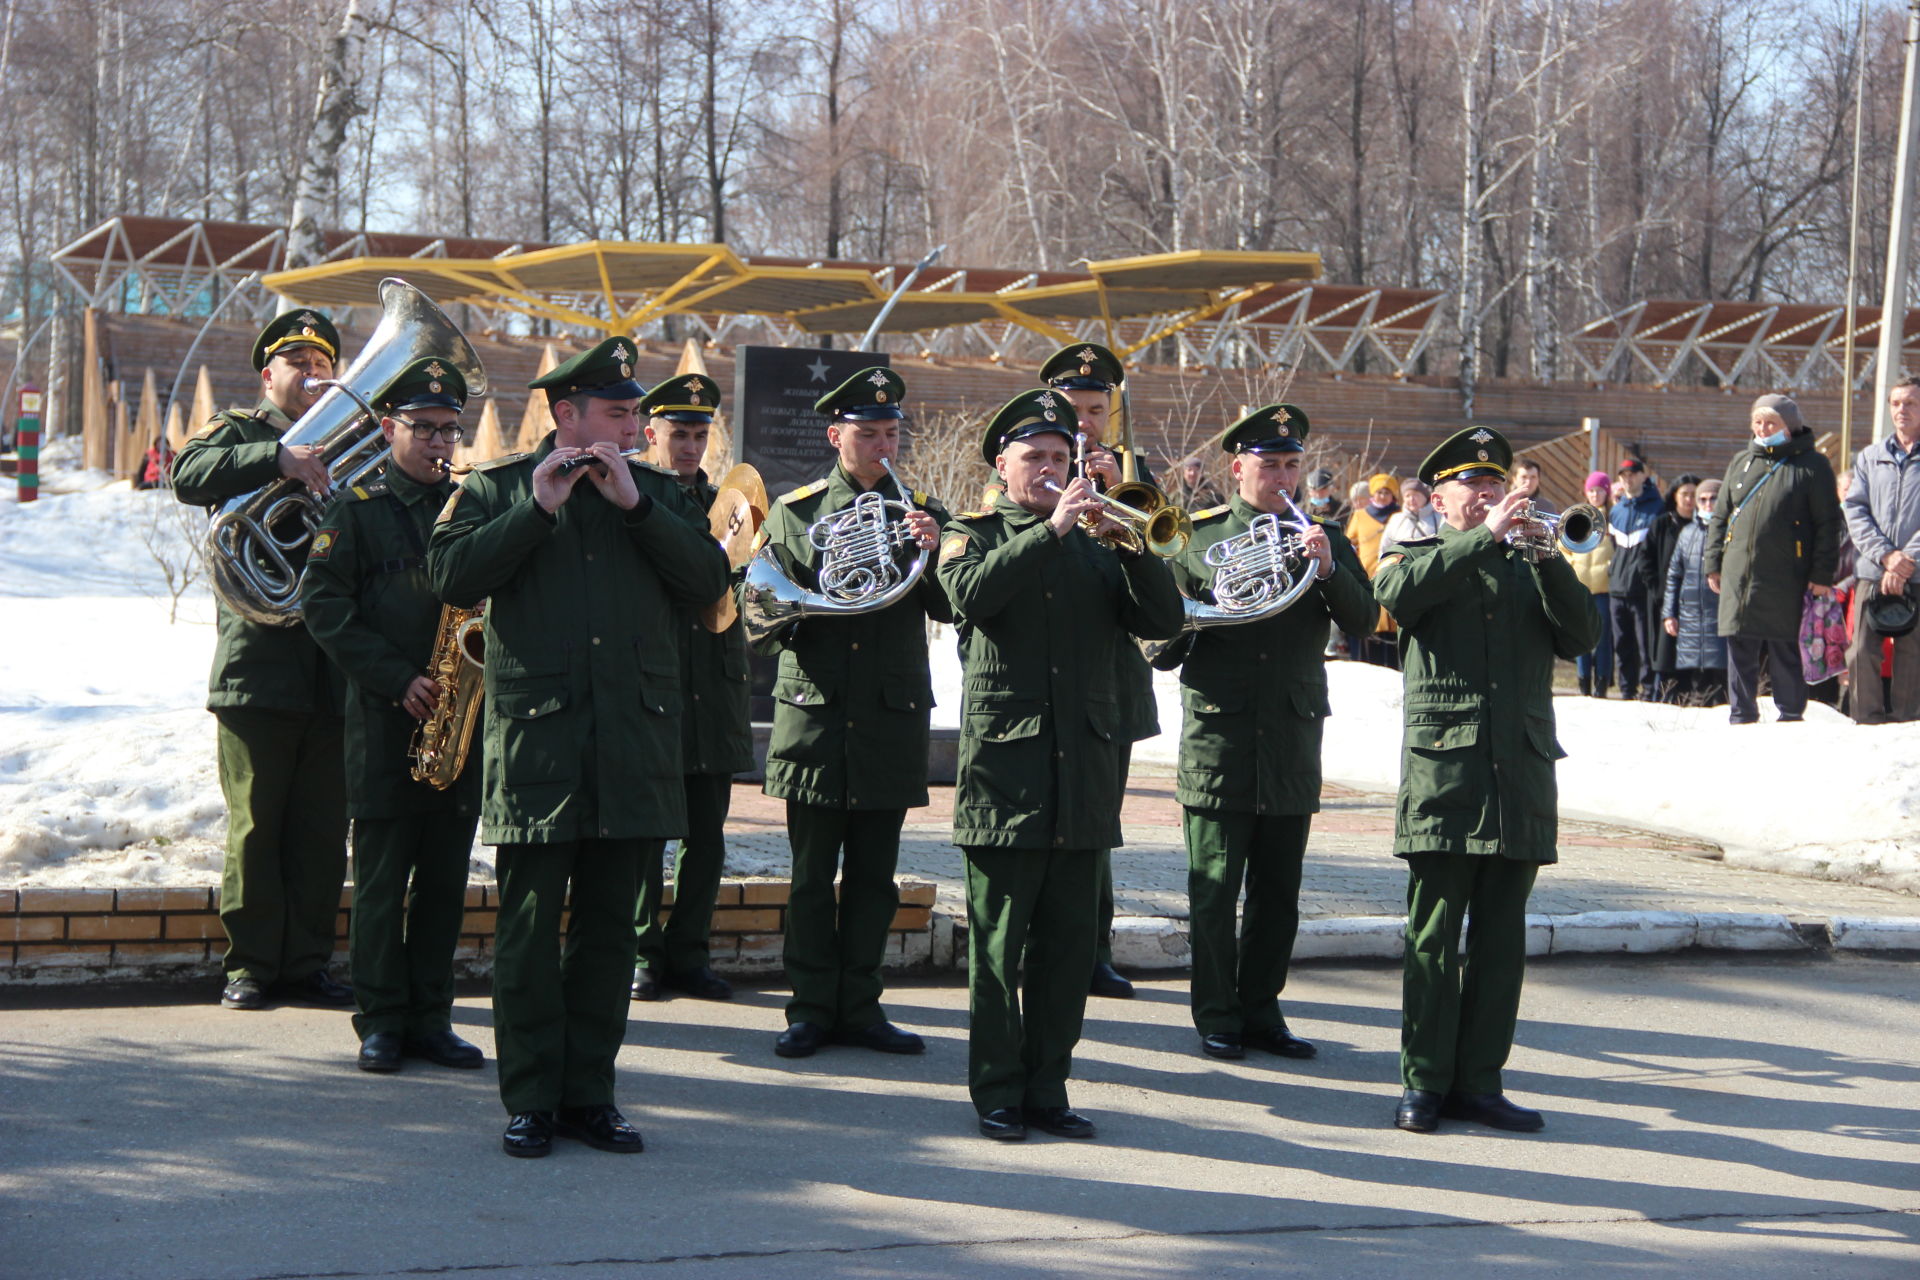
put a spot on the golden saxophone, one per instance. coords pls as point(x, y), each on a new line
point(440, 743)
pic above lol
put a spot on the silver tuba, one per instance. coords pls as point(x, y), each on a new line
point(257, 544)
point(861, 548)
point(1257, 574)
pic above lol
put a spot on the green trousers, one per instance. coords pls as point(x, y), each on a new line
point(1036, 904)
point(1237, 985)
point(1103, 906)
point(834, 949)
point(560, 1008)
point(409, 897)
point(680, 946)
point(283, 776)
point(1458, 1014)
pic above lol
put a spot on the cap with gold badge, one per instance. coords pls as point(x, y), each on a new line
point(1273, 428)
point(1084, 366)
point(1042, 411)
point(431, 383)
point(690, 398)
point(604, 372)
point(291, 330)
point(869, 395)
point(1468, 455)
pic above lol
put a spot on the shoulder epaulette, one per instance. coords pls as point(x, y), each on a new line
point(372, 489)
point(804, 491)
point(1211, 512)
point(972, 515)
point(669, 472)
point(501, 461)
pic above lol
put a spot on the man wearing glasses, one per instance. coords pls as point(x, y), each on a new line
point(367, 600)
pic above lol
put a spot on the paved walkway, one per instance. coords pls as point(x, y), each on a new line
point(1351, 871)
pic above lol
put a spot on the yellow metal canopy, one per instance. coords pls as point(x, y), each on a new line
point(616, 286)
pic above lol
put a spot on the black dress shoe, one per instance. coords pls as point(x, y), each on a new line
point(881, 1037)
point(380, 1051)
point(1004, 1124)
point(801, 1040)
point(1224, 1045)
point(1281, 1041)
point(447, 1049)
point(1108, 982)
point(243, 993)
point(702, 984)
point(1419, 1111)
point(318, 987)
point(603, 1128)
point(1492, 1110)
point(529, 1135)
point(1058, 1121)
point(645, 985)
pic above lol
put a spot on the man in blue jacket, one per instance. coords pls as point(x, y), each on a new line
point(1631, 582)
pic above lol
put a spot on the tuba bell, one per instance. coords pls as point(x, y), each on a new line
point(1257, 574)
point(256, 546)
point(860, 549)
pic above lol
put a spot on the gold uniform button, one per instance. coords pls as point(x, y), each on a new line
point(856, 646)
point(596, 639)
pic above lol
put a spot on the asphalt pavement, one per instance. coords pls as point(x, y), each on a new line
point(1708, 1116)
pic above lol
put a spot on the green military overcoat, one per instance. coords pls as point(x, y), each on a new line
point(1255, 694)
point(715, 736)
point(1040, 737)
point(1480, 628)
point(583, 653)
point(268, 668)
point(853, 697)
point(366, 598)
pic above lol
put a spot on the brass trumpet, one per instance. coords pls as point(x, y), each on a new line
point(1534, 533)
point(1155, 524)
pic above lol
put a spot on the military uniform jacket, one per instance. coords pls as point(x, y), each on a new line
point(1480, 630)
point(583, 653)
point(366, 598)
point(270, 668)
point(715, 736)
point(853, 696)
point(1255, 694)
point(1040, 736)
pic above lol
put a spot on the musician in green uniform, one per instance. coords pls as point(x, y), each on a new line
point(853, 700)
point(716, 740)
point(1481, 623)
point(1088, 375)
point(1038, 794)
point(278, 702)
point(366, 598)
point(1255, 695)
point(582, 556)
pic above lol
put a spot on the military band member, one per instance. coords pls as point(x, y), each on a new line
point(1477, 814)
point(582, 556)
point(277, 700)
point(1038, 794)
point(1256, 699)
point(716, 740)
point(1087, 374)
point(853, 701)
point(367, 600)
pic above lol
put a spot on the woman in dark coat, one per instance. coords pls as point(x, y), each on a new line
point(1661, 540)
point(1689, 629)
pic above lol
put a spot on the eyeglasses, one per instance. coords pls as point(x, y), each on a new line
point(452, 433)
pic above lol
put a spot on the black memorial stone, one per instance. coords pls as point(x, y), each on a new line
point(774, 389)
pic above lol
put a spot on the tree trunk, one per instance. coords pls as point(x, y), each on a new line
point(337, 104)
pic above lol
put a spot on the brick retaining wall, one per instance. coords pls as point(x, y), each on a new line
point(55, 934)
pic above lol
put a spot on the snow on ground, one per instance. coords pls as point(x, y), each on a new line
point(107, 754)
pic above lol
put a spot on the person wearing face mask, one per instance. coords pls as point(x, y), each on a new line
point(1687, 614)
point(1660, 547)
point(1774, 535)
point(1322, 503)
point(1630, 580)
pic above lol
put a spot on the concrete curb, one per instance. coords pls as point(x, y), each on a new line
point(1152, 944)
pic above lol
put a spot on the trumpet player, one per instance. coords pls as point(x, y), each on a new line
point(1087, 375)
point(1481, 623)
point(852, 706)
point(277, 701)
point(716, 739)
point(367, 600)
point(582, 556)
point(1038, 794)
point(1255, 697)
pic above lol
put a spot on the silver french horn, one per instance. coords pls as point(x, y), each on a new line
point(861, 571)
point(1257, 574)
